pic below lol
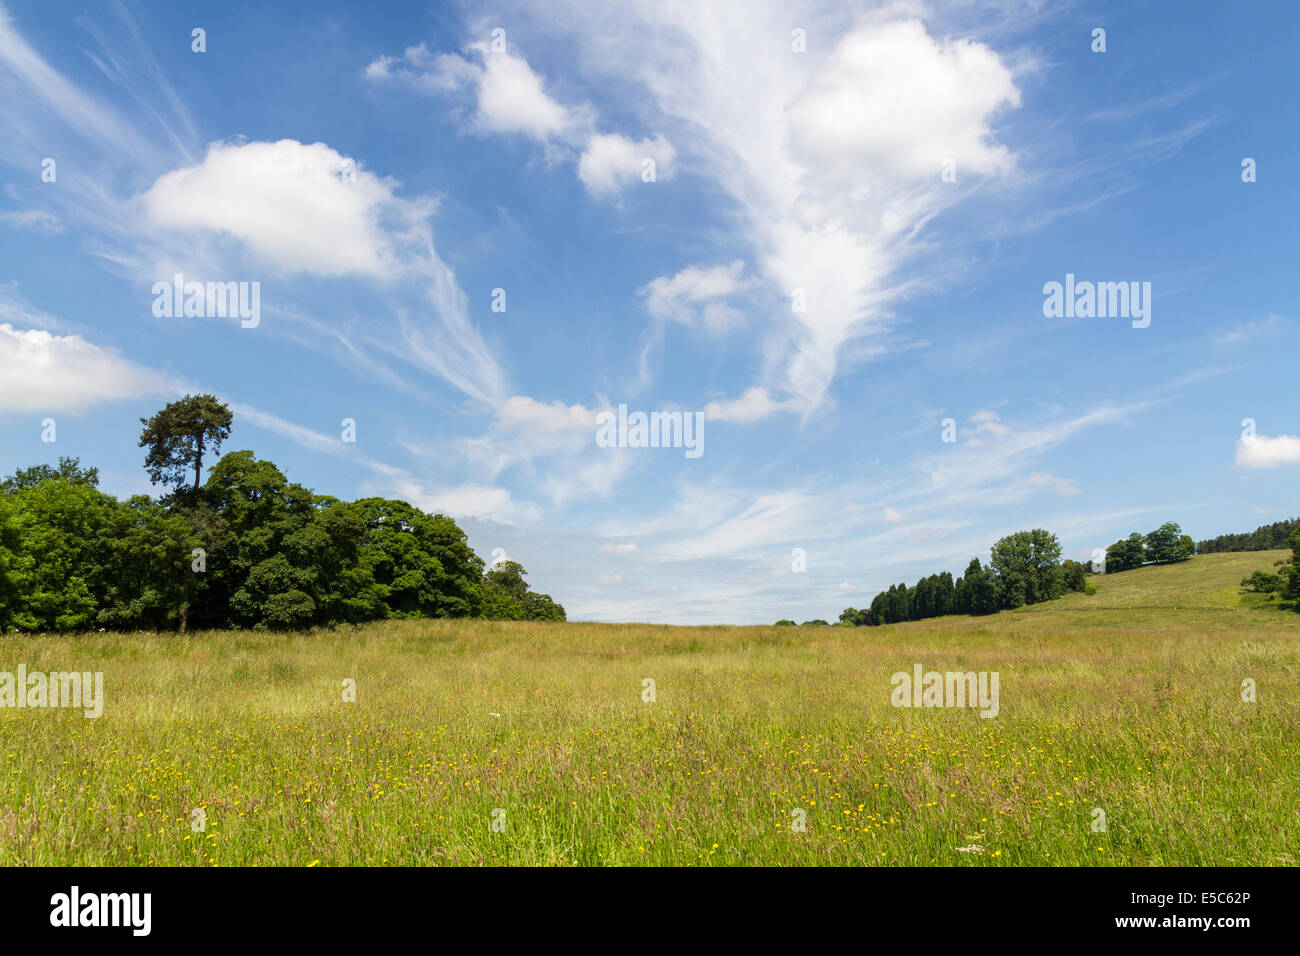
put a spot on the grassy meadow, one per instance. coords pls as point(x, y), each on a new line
point(1128, 700)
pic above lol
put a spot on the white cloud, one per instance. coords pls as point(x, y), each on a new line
point(37, 219)
point(845, 586)
point(461, 501)
point(44, 372)
point(891, 516)
point(769, 519)
point(1062, 486)
point(1264, 452)
point(753, 405)
point(510, 98)
point(695, 296)
point(299, 208)
point(308, 209)
point(48, 99)
point(989, 470)
point(896, 103)
point(610, 162)
point(1249, 330)
point(554, 444)
point(310, 438)
point(596, 478)
point(832, 160)
point(469, 501)
point(628, 548)
point(988, 422)
point(525, 429)
point(239, 211)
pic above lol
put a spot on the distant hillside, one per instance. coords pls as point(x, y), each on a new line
point(1203, 595)
point(1268, 537)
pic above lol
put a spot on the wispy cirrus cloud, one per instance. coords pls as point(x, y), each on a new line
point(833, 164)
point(148, 209)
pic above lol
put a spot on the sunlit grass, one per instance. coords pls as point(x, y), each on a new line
point(1128, 701)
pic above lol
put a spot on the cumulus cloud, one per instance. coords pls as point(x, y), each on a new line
point(306, 209)
point(45, 372)
point(895, 103)
point(697, 297)
point(610, 162)
point(1260, 451)
point(300, 208)
point(832, 161)
point(511, 98)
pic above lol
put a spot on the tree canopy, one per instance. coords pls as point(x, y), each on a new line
point(1161, 546)
point(177, 436)
point(248, 548)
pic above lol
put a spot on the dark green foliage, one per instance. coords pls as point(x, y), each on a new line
point(1162, 546)
point(853, 617)
point(980, 588)
point(1284, 584)
point(1262, 582)
point(784, 622)
point(1268, 537)
point(506, 596)
point(1026, 570)
point(1074, 575)
point(1168, 543)
point(247, 549)
point(1126, 554)
point(177, 437)
point(57, 571)
point(68, 469)
point(1027, 566)
point(1292, 589)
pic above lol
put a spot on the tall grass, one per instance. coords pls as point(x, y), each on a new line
point(1128, 701)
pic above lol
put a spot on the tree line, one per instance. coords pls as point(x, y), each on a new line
point(247, 548)
point(1024, 568)
point(1267, 537)
point(1283, 584)
point(1164, 545)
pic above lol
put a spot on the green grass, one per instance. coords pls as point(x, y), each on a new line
point(1128, 700)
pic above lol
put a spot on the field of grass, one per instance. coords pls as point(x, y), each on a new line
point(1128, 700)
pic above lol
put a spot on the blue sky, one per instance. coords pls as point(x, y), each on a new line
point(913, 177)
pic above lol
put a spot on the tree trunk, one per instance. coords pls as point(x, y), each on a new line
point(198, 465)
